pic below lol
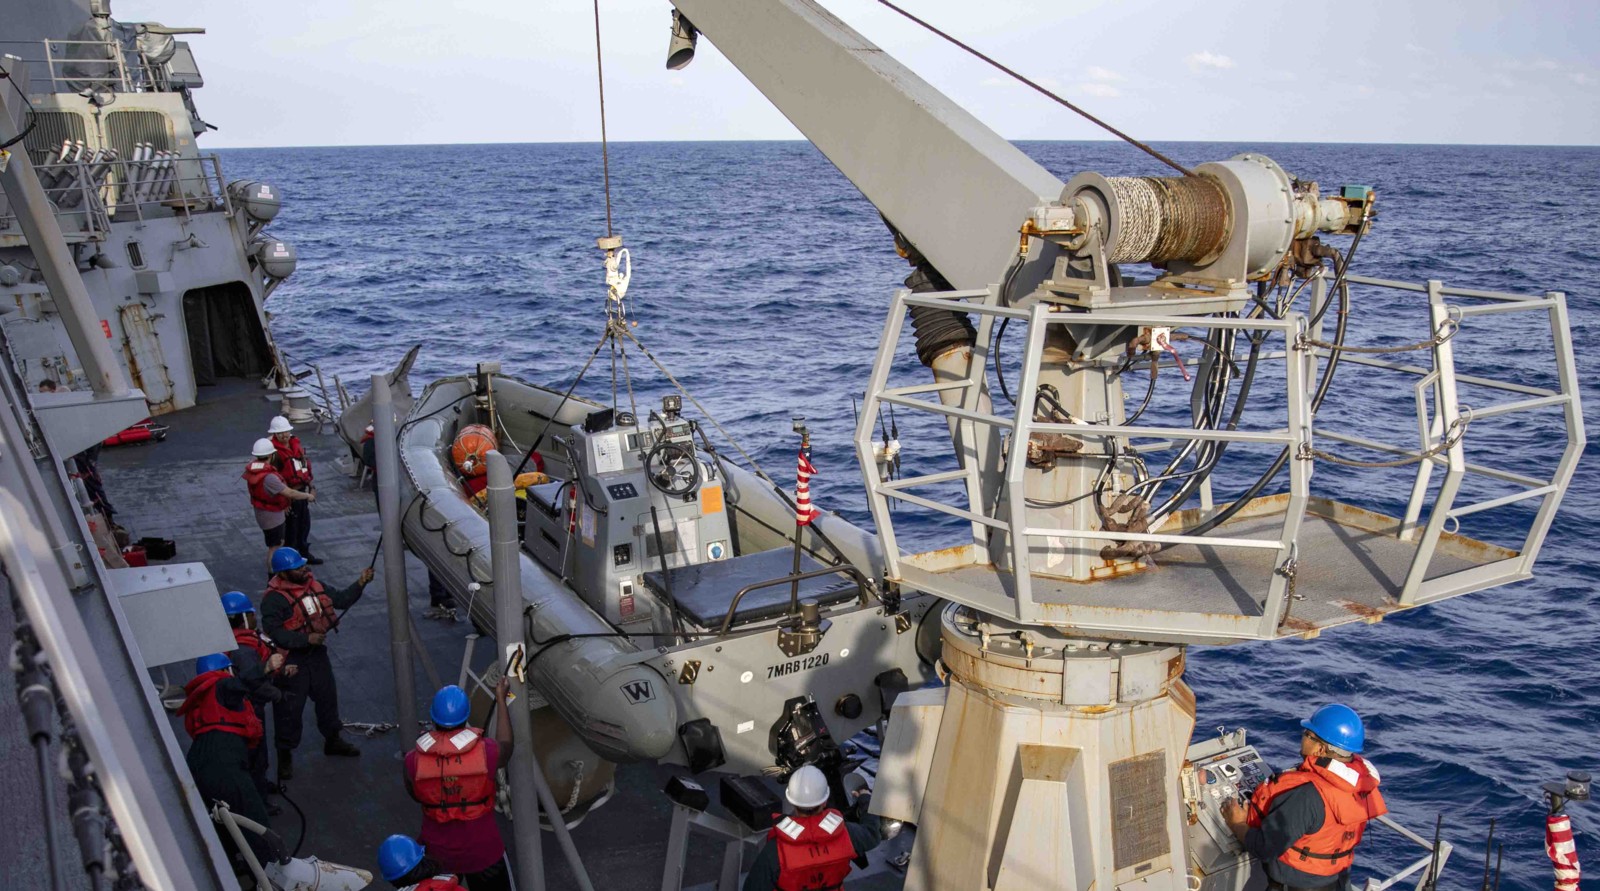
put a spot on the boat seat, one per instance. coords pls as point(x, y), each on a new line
point(546, 496)
point(704, 591)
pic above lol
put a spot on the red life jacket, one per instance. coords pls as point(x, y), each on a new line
point(814, 852)
point(454, 780)
point(203, 712)
point(247, 637)
point(313, 610)
point(1350, 798)
point(255, 475)
point(296, 466)
point(439, 883)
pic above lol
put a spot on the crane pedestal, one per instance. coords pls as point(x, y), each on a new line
point(1053, 762)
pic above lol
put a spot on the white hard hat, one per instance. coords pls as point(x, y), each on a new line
point(263, 448)
point(280, 424)
point(807, 788)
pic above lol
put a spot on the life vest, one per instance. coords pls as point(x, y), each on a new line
point(454, 780)
point(249, 637)
point(438, 883)
point(313, 610)
point(814, 852)
point(296, 466)
point(255, 475)
point(203, 712)
point(1350, 798)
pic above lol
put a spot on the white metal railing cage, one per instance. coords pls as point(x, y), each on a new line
point(969, 573)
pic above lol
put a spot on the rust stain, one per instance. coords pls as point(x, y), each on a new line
point(1369, 613)
point(1295, 623)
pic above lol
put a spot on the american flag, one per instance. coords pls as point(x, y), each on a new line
point(805, 511)
point(1563, 852)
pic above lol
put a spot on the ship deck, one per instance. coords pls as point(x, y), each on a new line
point(188, 489)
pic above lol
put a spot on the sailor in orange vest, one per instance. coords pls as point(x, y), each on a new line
point(255, 660)
point(1304, 824)
point(296, 468)
point(407, 866)
point(812, 848)
point(298, 613)
point(224, 728)
point(451, 771)
point(270, 494)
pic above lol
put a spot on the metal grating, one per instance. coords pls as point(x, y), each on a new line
point(1138, 809)
point(126, 128)
point(50, 130)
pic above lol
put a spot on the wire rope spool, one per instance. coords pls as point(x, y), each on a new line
point(471, 448)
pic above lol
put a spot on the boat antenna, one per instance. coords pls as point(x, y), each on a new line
point(1071, 107)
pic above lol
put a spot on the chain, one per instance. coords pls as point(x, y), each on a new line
point(1446, 330)
point(1458, 429)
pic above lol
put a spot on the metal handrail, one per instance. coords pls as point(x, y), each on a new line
point(847, 569)
point(127, 70)
point(99, 190)
point(1430, 864)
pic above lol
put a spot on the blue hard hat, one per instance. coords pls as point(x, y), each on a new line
point(235, 603)
point(450, 707)
point(1338, 726)
point(284, 559)
point(398, 855)
point(212, 662)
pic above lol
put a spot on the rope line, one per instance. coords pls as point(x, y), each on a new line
point(605, 156)
point(1071, 107)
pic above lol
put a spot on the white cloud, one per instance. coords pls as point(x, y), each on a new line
point(1103, 91)
point(1208, 59)
point(1097, 73)
point(1580, 78)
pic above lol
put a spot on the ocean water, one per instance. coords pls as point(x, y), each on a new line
point(761, 279)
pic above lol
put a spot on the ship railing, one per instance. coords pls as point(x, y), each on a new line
point(1426, 868)
point(94, 189)
point(993, 503)
point(74, 66)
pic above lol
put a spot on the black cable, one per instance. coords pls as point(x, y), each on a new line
point(47, 804)
point(1086, 115)
point(283, 792)
point(1000, 333)
point(560, 405)
point(33, 114)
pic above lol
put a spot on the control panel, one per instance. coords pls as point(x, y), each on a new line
point(1222, 769)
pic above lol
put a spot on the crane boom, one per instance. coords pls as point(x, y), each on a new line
point(955, 188)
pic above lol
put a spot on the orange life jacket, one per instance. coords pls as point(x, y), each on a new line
point(454, 780)
point(313, 610)
point(255, 475)
point(296, 466)
point(1350, 798)
point(203, 712)
point(814, 852)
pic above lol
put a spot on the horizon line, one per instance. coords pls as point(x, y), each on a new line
point(806, 141)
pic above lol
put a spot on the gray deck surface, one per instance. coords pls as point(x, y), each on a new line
point(188, 489)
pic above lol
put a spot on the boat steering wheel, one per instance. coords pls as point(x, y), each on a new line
point(672, 468)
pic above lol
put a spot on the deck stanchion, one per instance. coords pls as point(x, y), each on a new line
point(504, 553)
point(387, 452)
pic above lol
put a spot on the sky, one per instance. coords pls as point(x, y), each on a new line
point(362, 72)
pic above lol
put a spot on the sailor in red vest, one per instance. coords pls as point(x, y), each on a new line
point(224, 728)
point(812, 848)
point(407, 866)
point(296, 469)
point(255, 660)
point(297, 612)
point(451, 771)
point(1304, 824)
point(270, 494)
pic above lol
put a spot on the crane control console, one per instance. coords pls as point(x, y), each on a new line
point(1218, 770)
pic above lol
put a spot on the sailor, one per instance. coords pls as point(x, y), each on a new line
point(270, 493)
point(224, 729)
point(451, 771)
point(298, 613)
point(1304, 824)
point(296, 470)
point(812, 848)
point(407, 866)
point(255, 660)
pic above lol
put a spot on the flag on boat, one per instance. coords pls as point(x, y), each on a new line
point(1563, 852)
point(804, 510)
